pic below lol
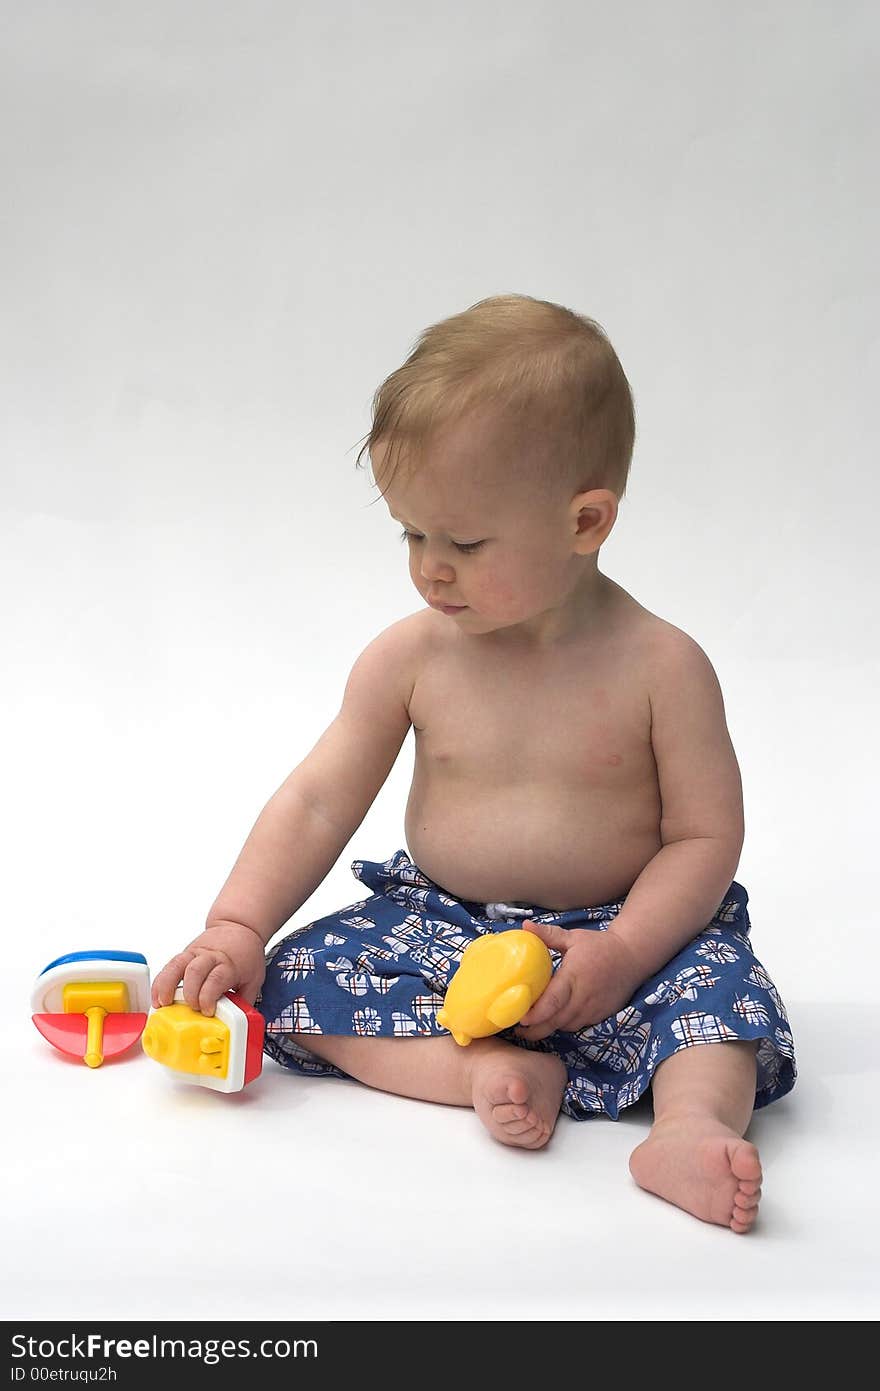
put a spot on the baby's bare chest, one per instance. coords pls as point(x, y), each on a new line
point(580, 723)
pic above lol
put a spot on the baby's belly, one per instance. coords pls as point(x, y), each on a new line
point(531, 843)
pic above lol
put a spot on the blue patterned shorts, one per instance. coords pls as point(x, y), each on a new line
point(382, 966)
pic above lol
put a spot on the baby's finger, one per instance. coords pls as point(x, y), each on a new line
point(535, 1032)
point(572, 1020)
point(168, 979)
point(250, 987)
point(194, 977)
point(559, 938)
point(220, 979)
point(551, 1002)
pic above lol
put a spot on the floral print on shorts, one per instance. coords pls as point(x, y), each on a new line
point(381, 967)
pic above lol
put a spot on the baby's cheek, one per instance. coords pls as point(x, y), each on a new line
point(497, 595)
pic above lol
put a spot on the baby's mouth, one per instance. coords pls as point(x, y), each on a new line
point(444, 607)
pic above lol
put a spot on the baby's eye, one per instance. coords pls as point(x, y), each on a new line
point(467, 547)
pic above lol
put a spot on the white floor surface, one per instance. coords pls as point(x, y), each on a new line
point(145, 1197)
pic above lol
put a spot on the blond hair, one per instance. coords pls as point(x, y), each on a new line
point(552, 372)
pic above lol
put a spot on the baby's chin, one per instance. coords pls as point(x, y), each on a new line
point(483, 623)
point(528, 628)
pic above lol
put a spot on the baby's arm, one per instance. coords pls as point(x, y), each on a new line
point(303, 829)
point(701, 827)
point(681, 887)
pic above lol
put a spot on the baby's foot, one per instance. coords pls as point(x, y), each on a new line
point(517, 1094)
point(704, 1167)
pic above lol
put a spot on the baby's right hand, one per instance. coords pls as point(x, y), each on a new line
point(227, 956)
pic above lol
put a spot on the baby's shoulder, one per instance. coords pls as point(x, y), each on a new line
point(407, 644)
point(660, 647)
point(685, 697)
point(417, 633)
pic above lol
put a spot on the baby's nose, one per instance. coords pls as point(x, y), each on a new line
point(433, 567)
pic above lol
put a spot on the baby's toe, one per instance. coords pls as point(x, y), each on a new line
point(504, 1112)
point(745, 1165)
point(742, 1218)
point(746, 1200)
point(519, 1127)
point(535, 1137)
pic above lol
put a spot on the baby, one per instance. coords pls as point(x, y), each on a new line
point(574, 777)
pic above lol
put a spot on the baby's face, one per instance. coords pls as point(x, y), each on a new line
point(488, 546)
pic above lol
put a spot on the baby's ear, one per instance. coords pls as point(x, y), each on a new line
point(594, 514)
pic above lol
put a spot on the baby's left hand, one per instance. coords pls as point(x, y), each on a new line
point(596, 978)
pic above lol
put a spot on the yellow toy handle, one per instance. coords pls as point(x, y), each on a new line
point(510, 1007)
point(94, 1054)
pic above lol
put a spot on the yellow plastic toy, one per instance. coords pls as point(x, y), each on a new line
point(499, 978)
point(186, 1041)
point(223, 1051)
point(92, 1004)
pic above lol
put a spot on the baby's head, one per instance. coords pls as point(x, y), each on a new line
point(503, 445)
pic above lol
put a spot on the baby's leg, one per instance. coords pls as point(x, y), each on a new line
point(516, 1092)
point(695, 1155)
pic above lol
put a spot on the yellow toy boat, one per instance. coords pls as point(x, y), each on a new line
point(223, 1051)
point(499, 978)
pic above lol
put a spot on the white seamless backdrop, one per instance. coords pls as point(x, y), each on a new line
point(223, 225)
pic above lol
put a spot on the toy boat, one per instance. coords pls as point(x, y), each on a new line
point(223, 1051)
point(92, 1004)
